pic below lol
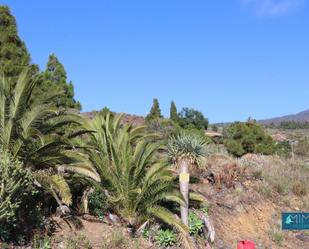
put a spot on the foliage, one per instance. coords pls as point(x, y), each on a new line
point(54, 80)
point(186, 145)
point(173, 112)
point(195, 224)
point(190, 118)
point(283, 148)
point(163, 127)
point(137, 181)
point(146, 233)
point(98, 203)
point(205, 210)
point(117, 240)
point(15, 184)
point(30, 131)
point(166, 238)
point(155, 111)
point(41, 243)
point(241, 138)
point(277, 235)
point(79, 241)
point(106, 110)
point(291, 125)
point(14, 56)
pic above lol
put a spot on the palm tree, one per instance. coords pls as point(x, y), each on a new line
point(137, 181)
point(30, 130)
point(185, 150)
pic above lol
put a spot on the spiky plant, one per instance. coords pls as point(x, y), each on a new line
point(31, 130)
point(185, 150)
point(136, 180)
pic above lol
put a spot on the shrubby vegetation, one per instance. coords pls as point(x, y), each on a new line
point(15, 182)
point(136, 179)
point(191, 118)
point(173, 112)
point(166, 238)
point(98, 205)
point(241, 138)
point(138, 173)
point(155, 111)
point(14, 58)
point(302, 147)
point(290, 125)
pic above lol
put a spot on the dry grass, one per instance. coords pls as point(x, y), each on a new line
point(279, 176)
point(119, 240)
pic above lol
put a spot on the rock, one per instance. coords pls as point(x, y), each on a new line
point(114, 218)
point(63, 210)
point(302, 237)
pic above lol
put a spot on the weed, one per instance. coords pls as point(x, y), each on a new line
point(300, 188)
point(195, 224)
point(277, 236)
point(78, 242)
point(165, 238)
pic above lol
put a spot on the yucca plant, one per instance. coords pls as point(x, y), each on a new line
point(185, 150)
point(31, 131)
point(137, 181)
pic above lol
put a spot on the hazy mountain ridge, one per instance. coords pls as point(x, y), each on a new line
point(298, 117)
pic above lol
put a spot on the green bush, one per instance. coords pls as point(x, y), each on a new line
point(14, 183)
point(146, 233)
point(155, 111)
point(98, 204)
point(41, 243)
point(283, 148)
point(234, 147)
point(250, 137)
point(165, 238)
point(163, 127)
point(190, 118)
point(195, 224)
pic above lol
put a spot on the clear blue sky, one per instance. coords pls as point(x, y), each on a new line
point(230, 59)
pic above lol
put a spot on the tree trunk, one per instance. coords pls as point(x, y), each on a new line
point(184, 189)
point(85, 199)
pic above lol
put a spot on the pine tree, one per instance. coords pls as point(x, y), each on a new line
point(14, 56)
point(173, 112)
point(155, 111)
point(55, 79)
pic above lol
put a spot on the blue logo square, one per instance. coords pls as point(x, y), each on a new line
point(295, 221)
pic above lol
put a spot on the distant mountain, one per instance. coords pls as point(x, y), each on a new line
point(298, 117)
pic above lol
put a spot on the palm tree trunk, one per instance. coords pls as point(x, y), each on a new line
point(85, 199)
point(184, 189)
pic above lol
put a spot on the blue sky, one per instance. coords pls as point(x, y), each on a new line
point(230, 59)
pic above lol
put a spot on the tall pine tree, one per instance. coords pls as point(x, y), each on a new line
point(14, 56)
point(55, 79)
point(155, 111)
point(173, 112)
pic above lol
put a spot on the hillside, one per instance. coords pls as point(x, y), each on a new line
point(127, 118)
point(298, 117)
